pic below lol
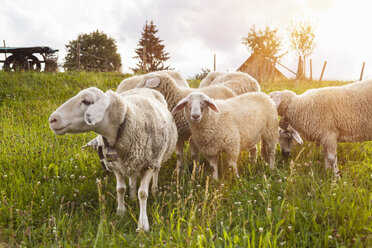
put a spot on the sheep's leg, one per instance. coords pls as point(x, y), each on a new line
point(253, 154)
point(232, 159)
point(133, 187)
point(330, 155)
point(143, 192)
point(179, 153)
point(154, 186)
point(194, 155)
point(268, 152)
point(213, 164)
point(120, 189)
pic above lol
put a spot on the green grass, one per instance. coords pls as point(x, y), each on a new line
point(49, 195)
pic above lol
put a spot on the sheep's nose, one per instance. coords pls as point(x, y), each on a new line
point(54, 119)
point(286, 154)
point(195, 116)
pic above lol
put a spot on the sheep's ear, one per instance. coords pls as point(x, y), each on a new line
point(153, 82)
point(277, 97)
point(296, 136)
point(96, 111)
point(180, 105)
point(212, 105)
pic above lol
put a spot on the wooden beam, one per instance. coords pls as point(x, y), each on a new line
point(361, 73)
point(321, 75)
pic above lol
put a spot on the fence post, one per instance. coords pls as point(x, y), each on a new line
point(311, 70)
point(4, 47)
point(78, 56)
point(321, 75)
point(361, 73)
point(214, 62)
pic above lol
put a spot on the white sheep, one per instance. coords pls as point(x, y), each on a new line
point(231, 125)
point(329, 115)
point(211, 76)
point(131, 83)
point(238, 82)
point(173, 94)
point(137, 124)
point(125, 85)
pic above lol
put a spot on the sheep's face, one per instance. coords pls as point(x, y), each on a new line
point(287, 139)
point(81, 113)
point(196, 106)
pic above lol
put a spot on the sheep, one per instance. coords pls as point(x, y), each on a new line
point(287, 138)
point(209, 79)
point(131, 83)
point(231, 125)
point(137, 124)
point(329, 115)
point(173, 94)
point(238, 82)
point(125, 85)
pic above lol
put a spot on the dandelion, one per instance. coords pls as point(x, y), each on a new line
point(260, 230)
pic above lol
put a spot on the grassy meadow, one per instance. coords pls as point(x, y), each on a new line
point(54, 194)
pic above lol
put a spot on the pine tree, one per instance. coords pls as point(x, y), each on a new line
point(152, 47)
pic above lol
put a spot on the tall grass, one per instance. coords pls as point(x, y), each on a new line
point(53, 194)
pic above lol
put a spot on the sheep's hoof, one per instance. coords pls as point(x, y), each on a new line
point(121, 211)
point(144, 227)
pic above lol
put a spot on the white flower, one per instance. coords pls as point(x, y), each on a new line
point(279, 198)
point(38, 183)
point(290, 228)
point(269, 210)
point(330, 237)
point(237, 203)
point(5, 176)
point(260, 230)
point(72, 176)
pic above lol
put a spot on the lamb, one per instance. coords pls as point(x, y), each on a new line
point(137, 124)
point(226, 126)
point(238, 82)
point(173, 94)
point(329, 115)
point(131, 83)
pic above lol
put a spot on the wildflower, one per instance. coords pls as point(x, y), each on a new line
point(255, 188)
point(237, 203)
point(38, 183)
point(330, 237)
point(334, 194)
point(269, 210)
point(269, 186)
point(280, 181)
point(290, 228)
point(279, 198)
point(72, 176)
point(5, 176)
point(260, 230)
point(76, 167)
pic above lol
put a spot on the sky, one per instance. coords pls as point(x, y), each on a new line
point(194, 30)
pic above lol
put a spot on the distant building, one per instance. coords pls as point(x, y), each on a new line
point(260, 68)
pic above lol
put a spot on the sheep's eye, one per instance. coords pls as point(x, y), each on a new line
point(86, 102)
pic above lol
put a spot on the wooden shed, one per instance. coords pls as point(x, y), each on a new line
point(260, 68)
